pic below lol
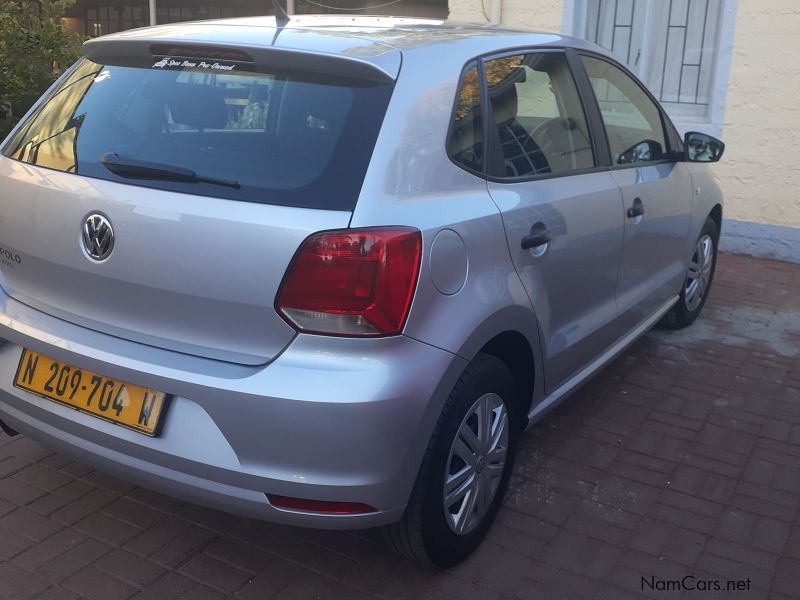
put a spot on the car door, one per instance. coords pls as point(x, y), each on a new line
point(656, 191)
point(562, 216)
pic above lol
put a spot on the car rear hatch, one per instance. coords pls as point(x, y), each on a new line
point(161, 189)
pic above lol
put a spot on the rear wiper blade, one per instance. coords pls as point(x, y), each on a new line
point(125, 166)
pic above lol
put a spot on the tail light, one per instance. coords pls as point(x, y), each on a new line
point(355, 282)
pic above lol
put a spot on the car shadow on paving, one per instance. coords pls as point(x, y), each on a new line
point(681, 458)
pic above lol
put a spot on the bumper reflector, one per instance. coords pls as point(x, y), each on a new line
point(322, 507)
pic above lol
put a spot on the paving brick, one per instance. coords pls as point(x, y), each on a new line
point(731, 569)
point(42, 477)
point(742, 554)
point(130, 568)
point(57, 593)
point(19, 493)
point(241, 555)
point(271, 581)
point(645, 461)
point(736, 525)
point(48, 550)
point(61, 497)
point(763, 507)
point(581, 554)
point(27, 449)
point(717, 488)
point(588, 452)
point(770, 534)
point(215, 573)
point(545, 502)
point(787, 577)
point(12, 464)
point(203, 592)
point(172, 585)
point(182, 546)
point(74, 560)
point(787, 479)
point(108, 529)
point(133, 513)
point(96, 585)
point(18, 584)
point(684, 518)
point(84, 506)
point(210, 518)
point(691, 503)
point(147, 542)
point(536, 528)
point(12, 544)
point(315, 587)
point(606, 529)
point(374, 570)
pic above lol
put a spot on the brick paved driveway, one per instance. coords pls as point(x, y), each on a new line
point(682, 458)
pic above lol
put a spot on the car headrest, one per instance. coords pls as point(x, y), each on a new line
point(189, 106)
point(308, 107)
point(505, 102)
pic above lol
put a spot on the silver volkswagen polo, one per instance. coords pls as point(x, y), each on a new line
point(327, 273)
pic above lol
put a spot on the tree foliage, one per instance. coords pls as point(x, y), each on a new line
point(34, 50)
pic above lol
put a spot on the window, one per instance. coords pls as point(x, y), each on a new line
point(465, 145)
point(633, 121)
point(291, 139)
point(538, 115)
point(675, 47)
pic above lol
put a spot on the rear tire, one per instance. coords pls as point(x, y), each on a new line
point(440, 528)
point(699, 277)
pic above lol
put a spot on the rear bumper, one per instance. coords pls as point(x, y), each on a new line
point(330, 419)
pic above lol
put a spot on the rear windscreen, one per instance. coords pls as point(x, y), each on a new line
point(288, 139)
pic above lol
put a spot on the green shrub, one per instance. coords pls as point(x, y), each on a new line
point(34, 50)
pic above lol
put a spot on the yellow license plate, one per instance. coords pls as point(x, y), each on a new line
point(131, 406)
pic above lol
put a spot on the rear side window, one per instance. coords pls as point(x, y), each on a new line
point(632, 119)
point(285, 138)
point(465, 144)
point(538, 115)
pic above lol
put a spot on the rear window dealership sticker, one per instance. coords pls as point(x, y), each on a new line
point(176, 63)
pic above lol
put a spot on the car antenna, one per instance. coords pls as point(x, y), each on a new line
point(282, 18)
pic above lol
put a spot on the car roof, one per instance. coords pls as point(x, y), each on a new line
point(377, 40)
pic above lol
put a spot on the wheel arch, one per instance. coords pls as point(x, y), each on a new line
point(512, 335)
point(513, 349)
point(716, 215)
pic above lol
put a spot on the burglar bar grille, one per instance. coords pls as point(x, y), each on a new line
point(671, 45)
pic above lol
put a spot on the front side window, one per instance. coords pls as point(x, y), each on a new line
point(538, 115)
point(632, 120)
point(292, 139)
point(465, 144)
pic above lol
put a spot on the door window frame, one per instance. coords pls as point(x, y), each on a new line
point(468, 66)
point(494, 150)
point(674, 150)
point(596, 129)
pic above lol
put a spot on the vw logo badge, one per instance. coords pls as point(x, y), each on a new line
point(98, 237)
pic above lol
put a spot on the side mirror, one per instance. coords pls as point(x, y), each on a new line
point(699, 147)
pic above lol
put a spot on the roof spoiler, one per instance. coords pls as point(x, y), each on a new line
point(138, 52)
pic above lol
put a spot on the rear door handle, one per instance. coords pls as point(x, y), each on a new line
point(539, 236)
point(637, 210)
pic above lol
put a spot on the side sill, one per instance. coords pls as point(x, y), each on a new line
point(577, 380)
